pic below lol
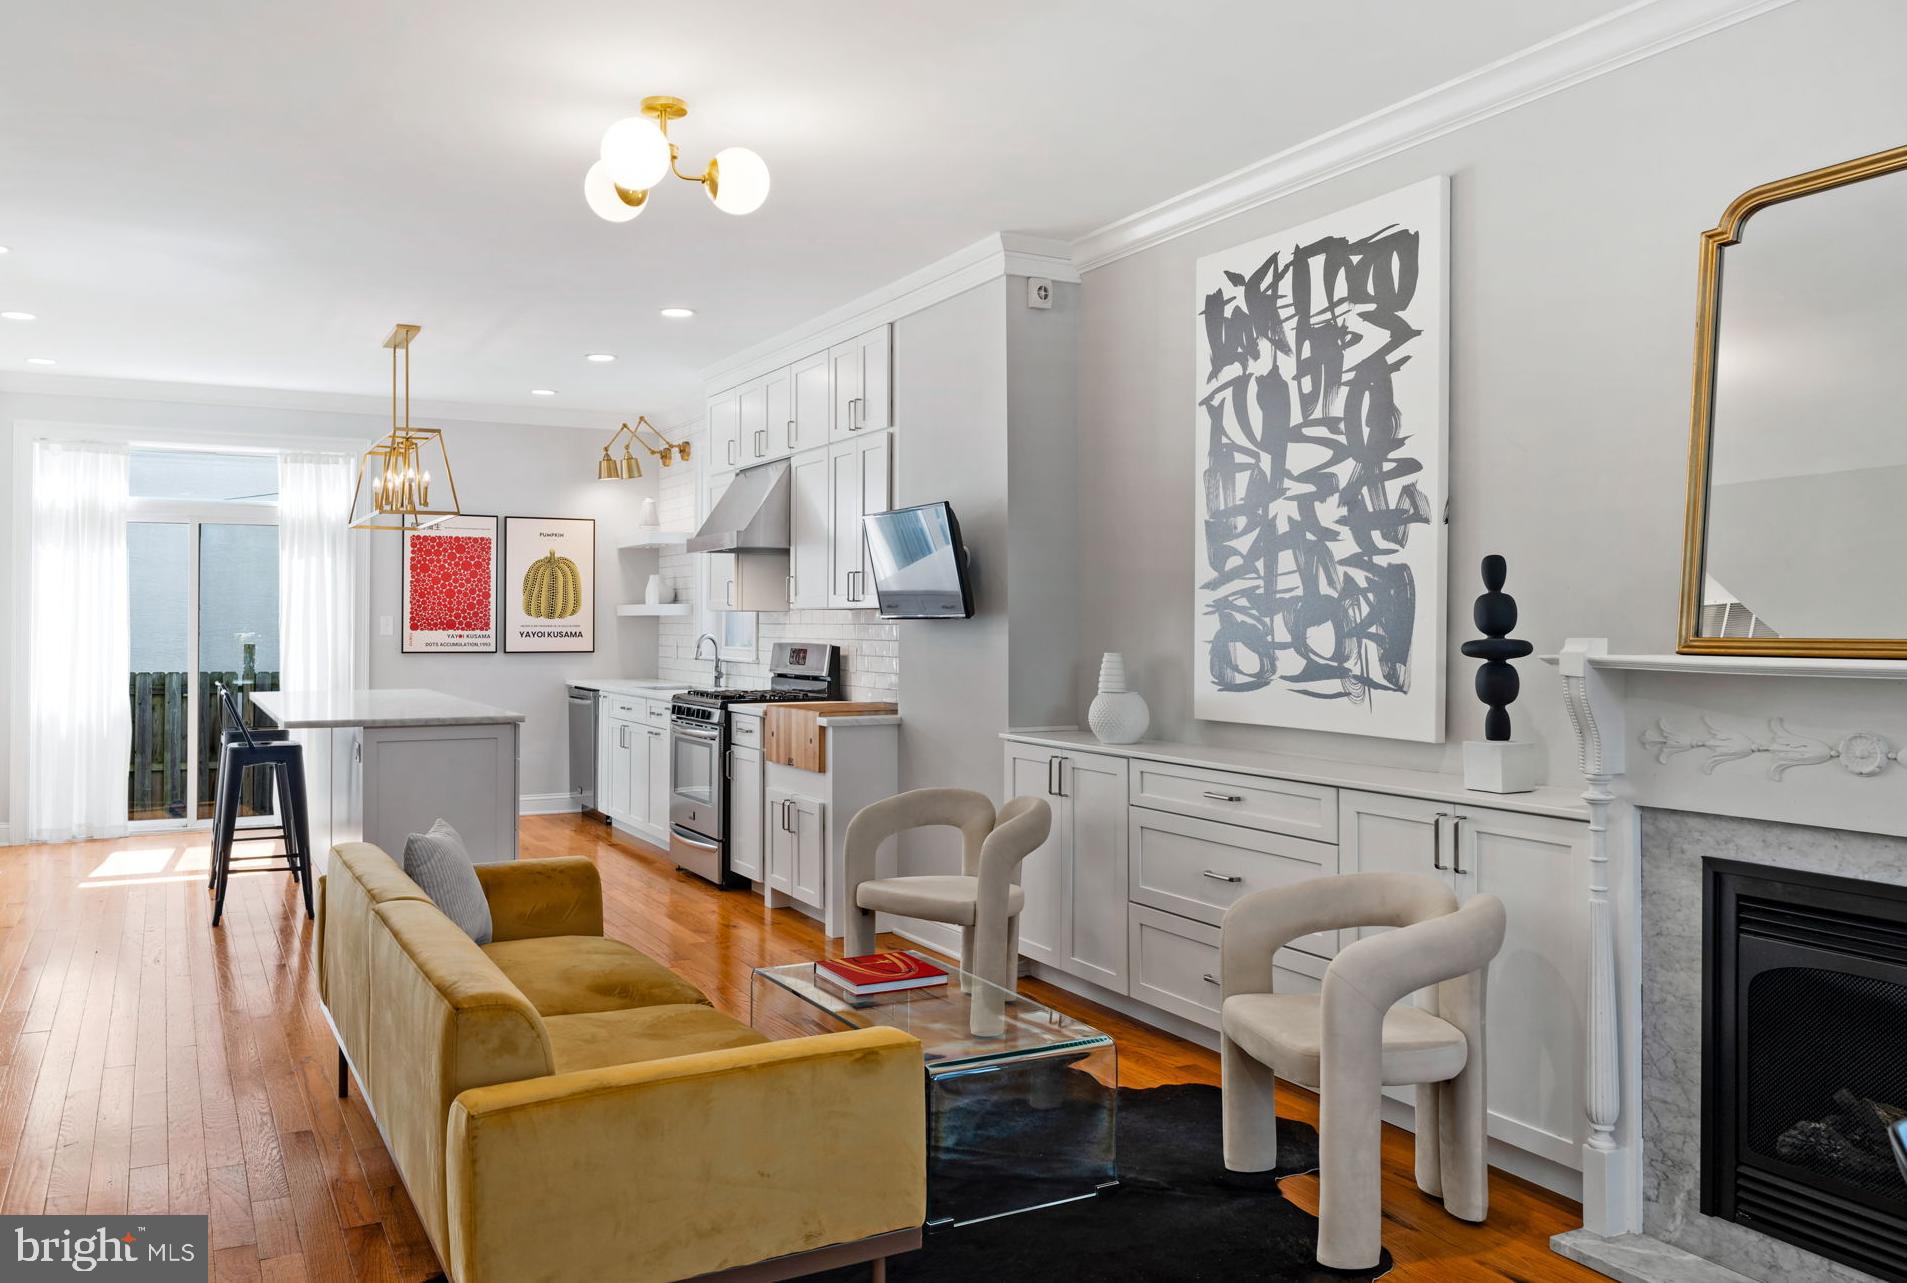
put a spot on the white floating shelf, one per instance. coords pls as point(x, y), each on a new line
point(642, 608)
point(658, 539)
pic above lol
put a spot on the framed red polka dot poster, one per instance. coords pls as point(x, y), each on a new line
point(450, 587)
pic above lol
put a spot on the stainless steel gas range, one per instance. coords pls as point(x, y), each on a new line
point(699, 751)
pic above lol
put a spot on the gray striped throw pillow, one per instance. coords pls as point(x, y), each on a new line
point(438, 862)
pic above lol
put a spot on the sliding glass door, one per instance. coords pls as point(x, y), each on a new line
point(202, 555)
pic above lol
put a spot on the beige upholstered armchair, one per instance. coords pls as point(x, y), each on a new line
point(1357, 1037)
point(981, 899)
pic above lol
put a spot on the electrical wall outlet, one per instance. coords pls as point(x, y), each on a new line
point(384, 626)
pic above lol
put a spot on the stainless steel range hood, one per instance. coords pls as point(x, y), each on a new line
point(752, 514)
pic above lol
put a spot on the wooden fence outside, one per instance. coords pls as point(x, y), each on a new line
point(158, 787)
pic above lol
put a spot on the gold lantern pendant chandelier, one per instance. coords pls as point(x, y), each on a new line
point(395, 475)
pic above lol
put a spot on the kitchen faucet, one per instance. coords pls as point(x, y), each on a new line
point(717, 657)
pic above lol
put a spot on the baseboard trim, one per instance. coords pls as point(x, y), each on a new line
point(1610, 43)
point(548, 804)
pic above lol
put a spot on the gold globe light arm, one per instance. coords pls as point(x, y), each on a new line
point(753, 180)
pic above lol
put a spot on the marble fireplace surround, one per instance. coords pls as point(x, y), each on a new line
point(1791, 763)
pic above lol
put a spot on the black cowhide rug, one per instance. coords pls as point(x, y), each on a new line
point(1177, 1213)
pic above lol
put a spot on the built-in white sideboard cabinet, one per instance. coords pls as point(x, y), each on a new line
point(632, 764)
point(1152, 842)
point(831, 416)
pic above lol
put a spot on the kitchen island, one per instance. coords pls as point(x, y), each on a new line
point(381, 765)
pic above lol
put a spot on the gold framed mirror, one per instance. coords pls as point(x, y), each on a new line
point(1798, 436)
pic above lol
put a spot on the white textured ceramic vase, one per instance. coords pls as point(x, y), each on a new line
point(648, 520)
point(659, 592)
point(1117, 715)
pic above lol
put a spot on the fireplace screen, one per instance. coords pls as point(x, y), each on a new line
point(1805, 1061)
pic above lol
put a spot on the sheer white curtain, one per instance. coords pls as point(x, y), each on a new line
point(317, 625)
point(79, 645)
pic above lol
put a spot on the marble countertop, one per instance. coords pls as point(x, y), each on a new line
point(627, 685)
point(298, 709)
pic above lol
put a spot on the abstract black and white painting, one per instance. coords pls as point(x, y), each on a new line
point(1322, 357)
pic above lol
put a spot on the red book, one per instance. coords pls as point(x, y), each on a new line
point(881, 973)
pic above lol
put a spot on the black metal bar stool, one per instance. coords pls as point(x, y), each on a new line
point(286, 762)
point(233, 730)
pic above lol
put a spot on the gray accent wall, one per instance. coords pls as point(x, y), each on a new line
point(1575, 222)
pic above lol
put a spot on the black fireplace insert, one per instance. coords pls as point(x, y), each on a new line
point(1804, 1060)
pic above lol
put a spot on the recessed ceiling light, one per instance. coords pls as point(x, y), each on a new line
point(18, 316)
point(39, 360)
point(5, 250)
point(678, 313)
point(542, 391)
point(600, 356)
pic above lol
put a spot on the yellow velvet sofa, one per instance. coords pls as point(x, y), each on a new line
point(562, 1107)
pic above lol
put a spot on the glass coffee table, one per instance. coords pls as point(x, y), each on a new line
point(1016, 1120)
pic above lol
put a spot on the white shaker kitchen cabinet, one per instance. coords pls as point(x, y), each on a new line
point(745, 813)
point(808, 530)
point(860, 481)
point(658, 784)
point(862, 369)
point(1076, 902)
point(796, 845)
point(725, 431)
point(811, 409)
point(765, 411)
point(743, 581)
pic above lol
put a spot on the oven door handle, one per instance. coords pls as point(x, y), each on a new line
point(686, 838)
point(696, 731)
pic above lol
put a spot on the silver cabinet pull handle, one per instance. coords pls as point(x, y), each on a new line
point(728, 593)
point(794, 432)
point(1436, 840)
point(733, 446)
point(1225, 797)
point(1456, 845)
point(1210, 979)
point(1050, 790)
point(1222, 877)
point(728, 765)
point(791, 590)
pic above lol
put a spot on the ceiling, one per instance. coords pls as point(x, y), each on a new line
point(251, 194)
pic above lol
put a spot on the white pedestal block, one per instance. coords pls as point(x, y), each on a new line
point(1502, 766)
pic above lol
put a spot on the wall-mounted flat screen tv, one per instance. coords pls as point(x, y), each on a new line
point(919, 564)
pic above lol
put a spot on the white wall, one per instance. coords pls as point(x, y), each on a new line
point(1575, 222)
point(504, 469)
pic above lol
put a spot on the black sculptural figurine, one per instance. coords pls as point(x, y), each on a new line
point(1497, 682)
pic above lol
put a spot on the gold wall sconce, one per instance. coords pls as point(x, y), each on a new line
point(399, 467)
point(628, 468)
point(637, 154)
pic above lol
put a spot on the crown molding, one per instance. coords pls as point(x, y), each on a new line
point(1616, 40)
point(254, 398)
point(987, 259)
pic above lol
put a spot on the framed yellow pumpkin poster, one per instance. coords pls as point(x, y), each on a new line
point(549, 584)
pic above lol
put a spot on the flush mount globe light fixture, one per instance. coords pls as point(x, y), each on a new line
point(628, 468)
point(637, 154)
point(394, 476)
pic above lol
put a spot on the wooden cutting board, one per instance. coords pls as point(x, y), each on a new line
point(792, 733)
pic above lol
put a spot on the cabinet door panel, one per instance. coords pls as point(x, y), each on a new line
point(810, 850)
point(725, 430)
point(1537, 994)
point(808, 530)
point(622, 738)
point(719, 567)
point(1277, 806)
point(1095, 792)
point(844, 523)
point(778, 412)
point(779, 844)
point(752, 422)
point(638, 772)
point(844, 365)
point(1043, 874)
point(658, 778)
point(745, 814)
point(876, 411)
point(813, 402)
point(1175, 966)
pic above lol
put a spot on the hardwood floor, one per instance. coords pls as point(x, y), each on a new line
point(149, 1063)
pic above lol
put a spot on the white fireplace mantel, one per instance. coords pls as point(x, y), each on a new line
point(1788, 740)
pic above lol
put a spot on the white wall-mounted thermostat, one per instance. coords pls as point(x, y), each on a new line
point(1039, 292)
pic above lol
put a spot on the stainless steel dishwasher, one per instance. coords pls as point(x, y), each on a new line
point(583, 706)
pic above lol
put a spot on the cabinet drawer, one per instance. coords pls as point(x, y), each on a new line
point(623, 706)
point(1276, 806)
point(1175, 965)
point(657, 712)
point(745, 730)
point(1199, 868)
